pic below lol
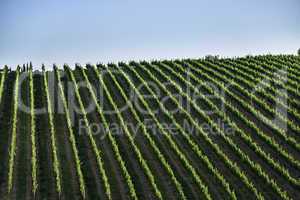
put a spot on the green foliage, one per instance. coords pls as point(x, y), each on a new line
point(95, 148)
point(56, 164)
point(113, 141)
point(258, 142)
point(152, 143)
point(33, 134)
point(12, 150)
point(3, 79)
point(71, 135)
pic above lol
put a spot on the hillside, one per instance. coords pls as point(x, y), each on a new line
point(182, 129)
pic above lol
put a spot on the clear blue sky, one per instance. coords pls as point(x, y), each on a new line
point(113, 30)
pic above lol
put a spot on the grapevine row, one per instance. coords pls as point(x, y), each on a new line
point(33, 135)
point(71, 135)
point(255, 79)
point(243, 77)
point(269, 140)
point(289, 81)
point(291, 67)
point(274, 64)
point(253, 97)
point(281, 132)
point(56, 164)
point(255, 166)
point(244, 136)
point(152, 143)
point(96, 150)
point(3, 78)
point(128, 134)
point(232, 165)
point(12, 149)
point(111, 138)
point(268, 77)
point(175, 147)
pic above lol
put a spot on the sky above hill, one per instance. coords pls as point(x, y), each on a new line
point(60, 31)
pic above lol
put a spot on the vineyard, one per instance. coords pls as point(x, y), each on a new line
point(211, 128)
